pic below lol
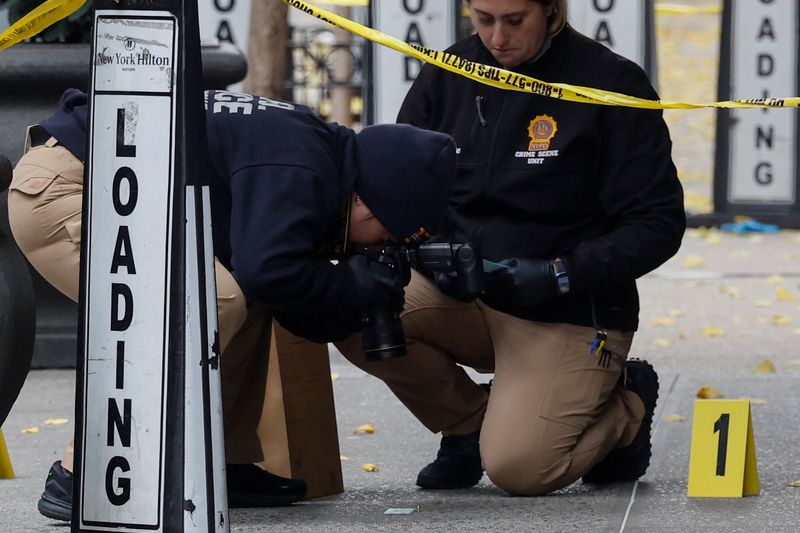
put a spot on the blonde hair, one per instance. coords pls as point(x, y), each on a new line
point(557, 19)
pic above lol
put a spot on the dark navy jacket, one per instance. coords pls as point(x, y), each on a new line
point(280, 184)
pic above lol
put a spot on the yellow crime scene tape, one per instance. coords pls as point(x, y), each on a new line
point(683, 9)
point(52, 11)
point(38, 20)
point(505, 79)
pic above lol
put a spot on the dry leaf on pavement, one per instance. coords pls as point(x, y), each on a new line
point(34, 429)
point(693, 261)
point(764, 302)
point(55, 421)
point(675, 418)
point(731, 291)
point(366, 428)
point(710, 330)
point(369, 467)
point(675, 313)
point(795, 484)
point(781, 320)
point(709, 393)
point(662, 343)
point(765, 367)
point(775, 278)
point(783, 294)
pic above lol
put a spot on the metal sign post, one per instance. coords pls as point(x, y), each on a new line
point(149, 449)
point(430, 23)
point(758, 150)
point(625, 26)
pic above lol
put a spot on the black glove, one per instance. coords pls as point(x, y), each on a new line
point(377, 285)
point(525, 282)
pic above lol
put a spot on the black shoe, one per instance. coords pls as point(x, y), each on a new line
point(630, 463)
point(56, 500)
point(248, 486)
point(251, 486)
point(457, 465)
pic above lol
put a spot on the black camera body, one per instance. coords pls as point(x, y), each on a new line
point(381, 329)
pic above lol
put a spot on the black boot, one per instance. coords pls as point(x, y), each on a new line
point(56, 500)
point(457, 465)
point(251, 486)
point(630, 463)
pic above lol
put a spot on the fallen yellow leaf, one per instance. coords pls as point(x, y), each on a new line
point(675, 313)
point(783, 294)
point(675, 418)
point(781, 320)
point(662, 321)
point(794, 362)
point(765, 367)
point(710, 330)
point(775, 278)
point(733, 292)
point(369, 467)
point(335, 376)
point(764, 302)
point(55, 421)
point(34, 429)
point(366, 428)
point(795, 484)
point(714, 238)
point(344, 458)
point(709, 393)
point(662, 343)
point(692, 261)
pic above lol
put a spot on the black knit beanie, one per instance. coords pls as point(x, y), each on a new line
point(405, 176)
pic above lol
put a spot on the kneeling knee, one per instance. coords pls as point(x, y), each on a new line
point(522, 476)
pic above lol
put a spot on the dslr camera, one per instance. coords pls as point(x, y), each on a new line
point(457, 264)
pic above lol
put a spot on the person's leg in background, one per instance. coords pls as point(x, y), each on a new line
point(556, 409)
point(441, 333)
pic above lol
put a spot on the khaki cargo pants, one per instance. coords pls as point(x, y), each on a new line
point(44, 210)
point(553, 411)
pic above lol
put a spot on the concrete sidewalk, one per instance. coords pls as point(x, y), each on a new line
point(726, 281)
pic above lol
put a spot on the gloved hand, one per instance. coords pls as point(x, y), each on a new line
point(377, 285)
point(525, 282)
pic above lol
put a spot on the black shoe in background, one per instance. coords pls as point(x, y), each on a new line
point(251, 486)
point(56, 500)
point(630, 463)
point(457, 464)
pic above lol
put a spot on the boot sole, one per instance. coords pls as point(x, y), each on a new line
point(54, 509)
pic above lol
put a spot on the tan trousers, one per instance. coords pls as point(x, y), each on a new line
point(44, 211)
point(553, 411)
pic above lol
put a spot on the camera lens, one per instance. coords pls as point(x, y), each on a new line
point(382, 335)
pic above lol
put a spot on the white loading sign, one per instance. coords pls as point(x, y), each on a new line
point(618, 24)
point(129, 214)
point(764, 63)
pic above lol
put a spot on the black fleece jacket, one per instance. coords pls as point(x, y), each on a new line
point(541, 178)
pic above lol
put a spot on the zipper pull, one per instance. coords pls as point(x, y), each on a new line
point(478, 105)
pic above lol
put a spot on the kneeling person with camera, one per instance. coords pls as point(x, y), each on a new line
point(289, 193)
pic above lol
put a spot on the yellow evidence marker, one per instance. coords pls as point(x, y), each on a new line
point(722, 463)
point(6, 471)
